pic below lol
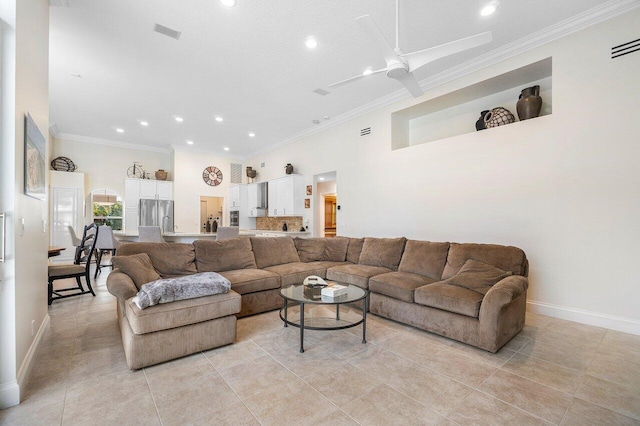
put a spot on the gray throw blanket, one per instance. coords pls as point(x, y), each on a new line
point(188, 287)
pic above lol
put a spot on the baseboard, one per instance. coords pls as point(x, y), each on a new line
point(626, 325)
point(9, 395)
point(25, 369)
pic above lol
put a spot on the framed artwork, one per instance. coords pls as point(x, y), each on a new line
point(308, 189)
point(34, 164)
point(307, 203)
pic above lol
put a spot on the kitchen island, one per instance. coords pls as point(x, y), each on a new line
point(189, 237)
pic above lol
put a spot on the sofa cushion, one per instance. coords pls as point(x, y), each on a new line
point(507, 258)
point(226, 255)
point(424, 258)
point(270, 251)
point(169, 259)
point(477, 276)
point(180, 313)
point(138, 267)
point(246, 281)
point(449, 298)
point(326, 265)
point(385, 252)
point(355, 274)
point(335, 249)
point(399, 285)
point(296, 272)
point(310, 249)
point(354, 249)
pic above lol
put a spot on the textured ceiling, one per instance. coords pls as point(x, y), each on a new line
point(248, 64)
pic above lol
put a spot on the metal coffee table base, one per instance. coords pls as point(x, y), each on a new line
point(302, 326)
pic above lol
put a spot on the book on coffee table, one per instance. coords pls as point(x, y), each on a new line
point(334, 290)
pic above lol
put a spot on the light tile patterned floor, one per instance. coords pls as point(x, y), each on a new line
point(553, 372)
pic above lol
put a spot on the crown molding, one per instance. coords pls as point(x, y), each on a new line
point(593, 16)
point(109, 142)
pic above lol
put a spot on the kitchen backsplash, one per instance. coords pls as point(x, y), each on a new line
point(294, 223)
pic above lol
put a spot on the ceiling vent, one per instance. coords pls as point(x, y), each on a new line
point(169, 32)
point(321, 92)
point(365, 132)
point(625, 49)
point(236, 173)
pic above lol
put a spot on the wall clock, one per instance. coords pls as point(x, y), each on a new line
point(212, 176)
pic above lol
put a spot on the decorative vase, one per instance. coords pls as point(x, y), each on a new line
point(529, 103)
point(480, 123)
point(498, 117)
point(161, 175)
point(251, 173)
point(288, 168)
point(284, 227)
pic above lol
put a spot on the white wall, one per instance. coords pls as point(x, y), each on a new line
point(189, 187)
point(105, 166)
point(562, 187)
point(25, 85)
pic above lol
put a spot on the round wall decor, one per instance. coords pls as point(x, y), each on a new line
point(63, 164)
point(212, 176)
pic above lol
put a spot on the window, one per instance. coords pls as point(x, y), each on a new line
point(107, 210)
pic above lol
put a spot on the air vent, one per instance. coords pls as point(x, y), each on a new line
point(625, 49)
point(261, 165)
point(167, 31)
point(236, 173)
point(365, 132)
point(321, 92)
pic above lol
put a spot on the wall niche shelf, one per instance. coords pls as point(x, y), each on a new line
point(456, 112)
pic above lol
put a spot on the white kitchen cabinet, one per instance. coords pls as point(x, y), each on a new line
point(131, 193)
point(164, 190)
point(234, 197)
point(256, 203)
point(142, 189)
point(286, 196)
point(155, 189)
point(131, 220)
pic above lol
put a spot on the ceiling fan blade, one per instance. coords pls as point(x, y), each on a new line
point(358, 77)
point(420, 58)
point(411, 83)
point(371, 29)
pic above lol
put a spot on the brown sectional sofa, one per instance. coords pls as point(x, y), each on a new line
point(446, 288)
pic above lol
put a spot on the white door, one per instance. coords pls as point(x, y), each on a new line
point(64, 213)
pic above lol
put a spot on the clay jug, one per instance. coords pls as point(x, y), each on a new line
point(161, 175)
point(529, 103)
point(288, 168)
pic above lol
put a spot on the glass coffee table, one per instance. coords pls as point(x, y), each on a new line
point(304, 295)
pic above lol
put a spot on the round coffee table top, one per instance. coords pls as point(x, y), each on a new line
point(304, 294)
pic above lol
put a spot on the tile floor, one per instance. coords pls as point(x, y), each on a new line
point(553, 372)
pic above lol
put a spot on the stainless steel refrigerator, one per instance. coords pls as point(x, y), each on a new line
point(156, 213)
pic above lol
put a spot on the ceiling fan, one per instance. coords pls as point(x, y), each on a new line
point(400, 66)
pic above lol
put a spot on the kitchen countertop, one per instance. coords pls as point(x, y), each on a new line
point(196, 235)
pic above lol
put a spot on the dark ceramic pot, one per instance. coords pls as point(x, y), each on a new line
point(288, 168)
point(480, 123)
point(529, 103)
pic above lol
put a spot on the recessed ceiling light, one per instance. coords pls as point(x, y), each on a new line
point(228, 3)
point(311, 42)
point(368, 71)
point(189, 142)
point(320, 178)
point(179, 119)
point(144, 123)
point(226, 148)
point(252, 135)
point(120, 130)
point(489, 8)
point(219, 119)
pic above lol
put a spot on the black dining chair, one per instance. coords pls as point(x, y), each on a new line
point(77, 270)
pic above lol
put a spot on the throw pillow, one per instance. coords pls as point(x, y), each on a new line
point(335, 249)
point(477, 276)
point(138, 267)
point(385, 252)
point(310, 249)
